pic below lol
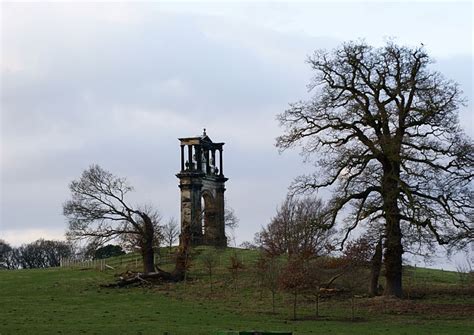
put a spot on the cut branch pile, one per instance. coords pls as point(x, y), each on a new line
point(142, 279)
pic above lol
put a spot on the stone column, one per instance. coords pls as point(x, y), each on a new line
point(190, 156)
point(186, 208)
point(196, 215)
point(208, 169)
point(198, 157)
point(182, 157)
point(221, 162)
point(220, 238)
point(213, 160)
point(191, 209)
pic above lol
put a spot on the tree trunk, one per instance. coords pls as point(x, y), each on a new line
point(180, 268)
point(148, 260)
point(182, 257)
point(317, 304)
point(376, 266)
point(147, 247)
point(273, 302)
point(393, 234)
point(393, 261)
point(352, 307)
point(210, 278)
point(295, 296)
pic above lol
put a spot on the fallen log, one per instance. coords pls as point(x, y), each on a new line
point(142, 278)
point(159, 276)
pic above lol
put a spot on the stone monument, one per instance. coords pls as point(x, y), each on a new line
point(202, 185)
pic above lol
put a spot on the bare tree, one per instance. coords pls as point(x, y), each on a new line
point(98, 210)
point(384, 130)
point(298, 228)
point(235, 268)
point(171, 232)
point(357, 257)
point(293, 279)
point(6, 256)
point(315, 279)
point(231, 222)
point(271, 278)
point(268, 268)
point(210, 260)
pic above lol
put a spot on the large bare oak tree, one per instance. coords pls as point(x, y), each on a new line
point(98, 210)
point(383, 130)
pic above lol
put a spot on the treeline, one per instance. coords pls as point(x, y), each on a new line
point(38, 254)
point(48, 253)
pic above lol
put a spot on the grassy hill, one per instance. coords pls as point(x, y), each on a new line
point(71, 301)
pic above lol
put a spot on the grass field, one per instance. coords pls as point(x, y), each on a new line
point(71, 301)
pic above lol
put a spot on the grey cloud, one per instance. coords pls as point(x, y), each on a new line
point(120, 93)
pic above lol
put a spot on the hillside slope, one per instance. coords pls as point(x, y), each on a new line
point(71, 301)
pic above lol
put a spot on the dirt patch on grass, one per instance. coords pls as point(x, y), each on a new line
point(408, 307)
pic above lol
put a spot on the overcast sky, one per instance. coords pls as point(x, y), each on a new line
point(117, 84)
